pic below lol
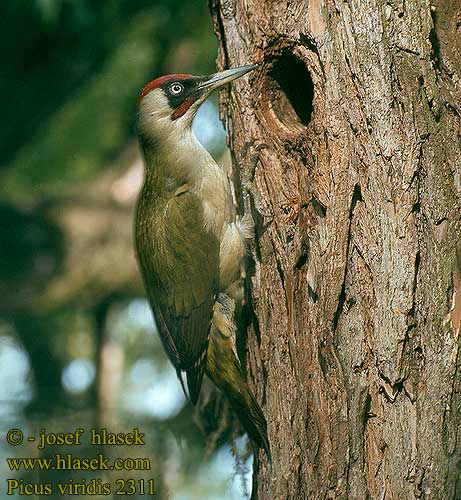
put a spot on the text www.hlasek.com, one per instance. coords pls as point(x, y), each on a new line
point(69, 462)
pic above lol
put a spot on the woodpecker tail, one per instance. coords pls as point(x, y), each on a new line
point(223, 367)
point(248, 411)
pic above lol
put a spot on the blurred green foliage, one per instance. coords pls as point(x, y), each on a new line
point(71, 73)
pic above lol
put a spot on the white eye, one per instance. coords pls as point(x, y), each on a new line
point(176, 88)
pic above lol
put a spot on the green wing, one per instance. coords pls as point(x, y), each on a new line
point(181, 272)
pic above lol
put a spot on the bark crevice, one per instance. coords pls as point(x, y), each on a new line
point(357, 353)
point(356, 196)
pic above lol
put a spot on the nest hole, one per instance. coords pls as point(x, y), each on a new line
point(292, 89)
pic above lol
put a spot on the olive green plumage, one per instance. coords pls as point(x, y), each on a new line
point(181, 272)
point(223, 367)
point(191, 244)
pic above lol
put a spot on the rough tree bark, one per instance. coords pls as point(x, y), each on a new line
point(354, 351)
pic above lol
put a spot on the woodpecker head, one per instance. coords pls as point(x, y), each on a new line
point(168, 104)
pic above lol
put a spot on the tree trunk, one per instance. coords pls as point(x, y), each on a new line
point(354, 351)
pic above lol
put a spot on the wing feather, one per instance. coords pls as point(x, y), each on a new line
point(181, 273)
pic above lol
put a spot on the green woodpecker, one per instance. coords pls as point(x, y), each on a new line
point(191, 244)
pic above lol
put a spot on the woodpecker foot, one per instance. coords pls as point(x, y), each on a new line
point(250, 156)
point(253, 153)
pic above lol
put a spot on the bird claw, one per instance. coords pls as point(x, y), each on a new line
point(250, 155)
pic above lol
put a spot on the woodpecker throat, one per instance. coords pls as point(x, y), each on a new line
point(191, 244)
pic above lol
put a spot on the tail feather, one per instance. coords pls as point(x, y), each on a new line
point(223, 368)
point(248, 412)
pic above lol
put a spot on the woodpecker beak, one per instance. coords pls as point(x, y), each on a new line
point(217, 80)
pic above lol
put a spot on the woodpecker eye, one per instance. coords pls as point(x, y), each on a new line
point(176, 88)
